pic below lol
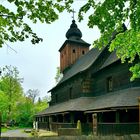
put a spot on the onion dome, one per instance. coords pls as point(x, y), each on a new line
point(73, 31)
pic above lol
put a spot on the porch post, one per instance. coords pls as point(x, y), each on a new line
point(71, 117)
point(94, 117)
point(87, 117)
point(117, 117)
point(63, 117)
point(50, 121)
point(100, 117)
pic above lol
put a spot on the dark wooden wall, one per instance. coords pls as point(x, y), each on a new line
point(69, 90)
point(120, 78)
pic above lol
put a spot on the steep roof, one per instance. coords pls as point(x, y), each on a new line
point(121, 98)
point(111, 59)
point(85, 61)
point(82, 64)
point(78, 104)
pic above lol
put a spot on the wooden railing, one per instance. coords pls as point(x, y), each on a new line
point(56, 125)
point(118, 128)
point(86, 127)
point(43, 125)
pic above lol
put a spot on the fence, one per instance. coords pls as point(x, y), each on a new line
point(125, 137)
point(118, 128)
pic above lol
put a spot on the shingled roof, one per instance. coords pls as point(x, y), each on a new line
point(111, 59)
point(122, 98)
point(78, 104)
point(83, 63)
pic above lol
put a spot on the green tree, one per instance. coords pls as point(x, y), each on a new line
point(108, 16)
point(41, 104)
point(11, 87)
point(3, 105)
point(27, 109)
point(32, 94)
point(58, 75)
point(25, 112)
point(13, 23)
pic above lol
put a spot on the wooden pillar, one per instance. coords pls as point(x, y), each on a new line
point(87, 118)
point(50, 121)
point(63, 117)
point(71, 117)
point(56, 118)
point(100, 117)
point(94, 117)
point(117, 117)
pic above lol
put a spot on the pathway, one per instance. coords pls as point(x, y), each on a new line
point(15, 133)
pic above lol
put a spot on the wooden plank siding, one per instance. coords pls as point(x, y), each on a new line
point(69, 90)
point(120, 75)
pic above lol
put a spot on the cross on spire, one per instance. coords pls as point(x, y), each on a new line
point(73, 13)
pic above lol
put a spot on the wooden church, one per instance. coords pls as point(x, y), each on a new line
point(95, 89)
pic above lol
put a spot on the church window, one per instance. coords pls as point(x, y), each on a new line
point(73, 51)
point(83, 52)
point(109, 84)
point(62, 56)
point(86, 86)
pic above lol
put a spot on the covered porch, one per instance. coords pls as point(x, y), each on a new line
point(53, 122)
point(116, 113)
point(66, 115)
point(116, 122)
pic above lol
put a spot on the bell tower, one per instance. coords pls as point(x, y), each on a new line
point(73, 48)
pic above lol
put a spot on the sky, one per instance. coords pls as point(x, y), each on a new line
point(37, 63)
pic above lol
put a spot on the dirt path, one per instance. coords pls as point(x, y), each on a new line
point(15, 133)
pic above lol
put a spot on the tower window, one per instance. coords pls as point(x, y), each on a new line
point(109, 84)
point(83, 52)
point(62, 56)
point(73, 50)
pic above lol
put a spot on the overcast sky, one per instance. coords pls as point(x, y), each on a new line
point(37, 63)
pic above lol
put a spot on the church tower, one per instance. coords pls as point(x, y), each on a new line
point(73, 48)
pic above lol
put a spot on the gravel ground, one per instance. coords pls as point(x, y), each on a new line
point(15, 133)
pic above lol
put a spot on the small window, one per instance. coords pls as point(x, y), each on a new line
point(83, 52)
point(70, 94)
point(109, 84)
point(73, 50)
